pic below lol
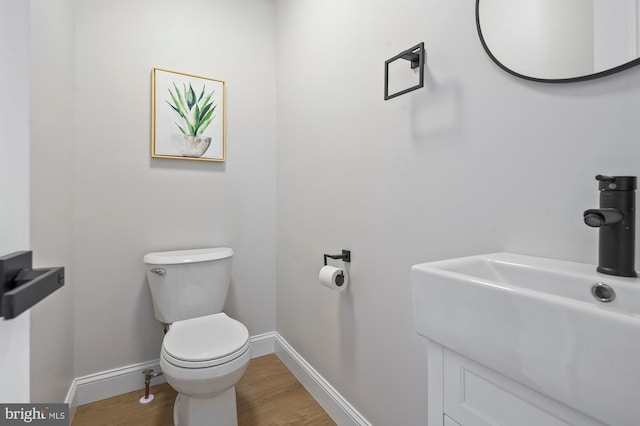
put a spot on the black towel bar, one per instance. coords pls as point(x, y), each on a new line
point(416, 55)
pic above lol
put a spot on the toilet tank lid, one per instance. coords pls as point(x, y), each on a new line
point(187, 256)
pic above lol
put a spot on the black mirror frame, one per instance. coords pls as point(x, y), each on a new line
point(599, 74)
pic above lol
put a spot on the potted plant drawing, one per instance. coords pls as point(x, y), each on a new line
point(195, 113)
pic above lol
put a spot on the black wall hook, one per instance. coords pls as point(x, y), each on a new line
point(345, 256)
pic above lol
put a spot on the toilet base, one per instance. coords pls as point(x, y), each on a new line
point(219, 410)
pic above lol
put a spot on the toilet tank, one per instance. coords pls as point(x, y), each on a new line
point(188, 283)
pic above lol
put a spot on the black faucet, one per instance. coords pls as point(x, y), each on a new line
point(616, 220)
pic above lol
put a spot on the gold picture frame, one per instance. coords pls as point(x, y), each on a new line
point(188, 116)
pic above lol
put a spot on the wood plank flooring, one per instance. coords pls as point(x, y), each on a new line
point(267, 395)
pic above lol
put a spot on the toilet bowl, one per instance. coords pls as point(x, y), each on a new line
point(204, 352)
point(203, 358)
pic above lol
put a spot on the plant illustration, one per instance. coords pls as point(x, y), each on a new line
point(195, 113)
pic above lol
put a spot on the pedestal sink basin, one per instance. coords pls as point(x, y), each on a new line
point(537, 322)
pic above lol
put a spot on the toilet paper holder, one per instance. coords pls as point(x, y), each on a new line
point(345, 256)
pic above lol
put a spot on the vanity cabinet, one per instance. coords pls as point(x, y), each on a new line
point(463, 392)
point(515, 340)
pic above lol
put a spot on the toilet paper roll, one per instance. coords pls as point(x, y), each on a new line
point(333, 278)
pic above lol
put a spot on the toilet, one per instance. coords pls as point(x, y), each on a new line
point(204, 352)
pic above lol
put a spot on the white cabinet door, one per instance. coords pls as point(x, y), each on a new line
point(477, 396)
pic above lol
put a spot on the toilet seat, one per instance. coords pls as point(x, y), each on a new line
point(205, 341)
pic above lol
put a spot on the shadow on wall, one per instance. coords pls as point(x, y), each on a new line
point(436, 112)
point(347, 335)
point(231, 302)
point(150, 337)
point(206, 166)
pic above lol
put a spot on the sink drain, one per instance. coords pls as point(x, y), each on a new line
point(603, 292)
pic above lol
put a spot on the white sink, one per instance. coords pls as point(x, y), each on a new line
point(536, 321)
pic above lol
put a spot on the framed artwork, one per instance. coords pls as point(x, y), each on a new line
point(188, 116)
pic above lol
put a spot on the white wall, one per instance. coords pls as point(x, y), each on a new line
point(52, 165)
point(476, 162)
point(127, 204)
point(14, 186)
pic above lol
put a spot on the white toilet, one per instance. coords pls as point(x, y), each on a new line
point(204, 352)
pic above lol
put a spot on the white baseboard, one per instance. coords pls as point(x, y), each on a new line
point(262, 344)
point(72, 400)
point(107, 384)
point(338, 408)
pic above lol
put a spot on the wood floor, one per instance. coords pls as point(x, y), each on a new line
point(268, 394)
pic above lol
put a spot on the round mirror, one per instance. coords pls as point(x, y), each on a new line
point(558, 41)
